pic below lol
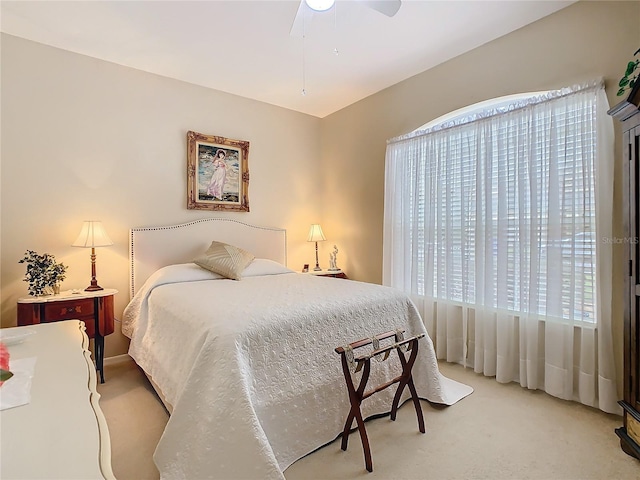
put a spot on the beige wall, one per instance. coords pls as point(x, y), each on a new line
point(86, 139)
point(584, 41)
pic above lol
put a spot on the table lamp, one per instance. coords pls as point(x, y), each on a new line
point(92, 235)
point(316, 235)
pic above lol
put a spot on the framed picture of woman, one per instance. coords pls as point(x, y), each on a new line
point(217, 173)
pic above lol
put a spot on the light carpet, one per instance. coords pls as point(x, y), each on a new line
point(498, 432)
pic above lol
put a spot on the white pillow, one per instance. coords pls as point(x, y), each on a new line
point(190, 271)
point(264, 266)
point(224, 259)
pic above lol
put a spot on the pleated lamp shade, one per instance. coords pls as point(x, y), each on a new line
point(92, 235)
point(315, 233)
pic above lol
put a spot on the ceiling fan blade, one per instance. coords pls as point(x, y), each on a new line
point(387, 7)
point(302, 20)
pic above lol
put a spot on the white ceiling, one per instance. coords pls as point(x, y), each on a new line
point(244, 47)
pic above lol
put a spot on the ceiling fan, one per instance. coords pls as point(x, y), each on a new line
point(307, 8)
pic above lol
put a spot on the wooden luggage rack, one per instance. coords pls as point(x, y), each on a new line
point(357, 395)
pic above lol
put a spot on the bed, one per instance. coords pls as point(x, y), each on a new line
point(247, 367)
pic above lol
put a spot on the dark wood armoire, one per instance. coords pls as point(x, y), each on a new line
point(628, 113)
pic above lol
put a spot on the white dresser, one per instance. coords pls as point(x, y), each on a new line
point(61, 433)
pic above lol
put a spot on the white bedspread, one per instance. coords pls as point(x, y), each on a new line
point(250, 369)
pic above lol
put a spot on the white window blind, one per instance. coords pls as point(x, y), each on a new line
point(500, 210)
point(498, 224)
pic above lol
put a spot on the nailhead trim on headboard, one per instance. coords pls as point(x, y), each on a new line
point(133, 231)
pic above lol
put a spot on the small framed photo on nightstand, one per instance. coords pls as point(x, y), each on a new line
point(305, 269)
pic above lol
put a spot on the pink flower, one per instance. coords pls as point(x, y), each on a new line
point(5, 374)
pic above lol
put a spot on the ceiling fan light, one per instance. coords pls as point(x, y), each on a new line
point(319, 5)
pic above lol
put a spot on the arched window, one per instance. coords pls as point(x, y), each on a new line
point(491, 225)
point(502, 206)
point(485, 108)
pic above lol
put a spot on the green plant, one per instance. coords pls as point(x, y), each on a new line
point(629, 81)
point(42, 271)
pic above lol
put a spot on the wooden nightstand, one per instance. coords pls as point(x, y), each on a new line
point(329, 273)
point(95, 309)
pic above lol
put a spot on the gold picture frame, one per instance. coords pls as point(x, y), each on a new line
point(217, 173)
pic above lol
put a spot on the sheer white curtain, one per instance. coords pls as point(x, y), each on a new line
point(498, 225)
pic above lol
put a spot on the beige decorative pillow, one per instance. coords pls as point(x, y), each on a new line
point(224, 259)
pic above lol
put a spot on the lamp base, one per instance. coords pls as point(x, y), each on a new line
point(317, 269)
point(93, 288)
